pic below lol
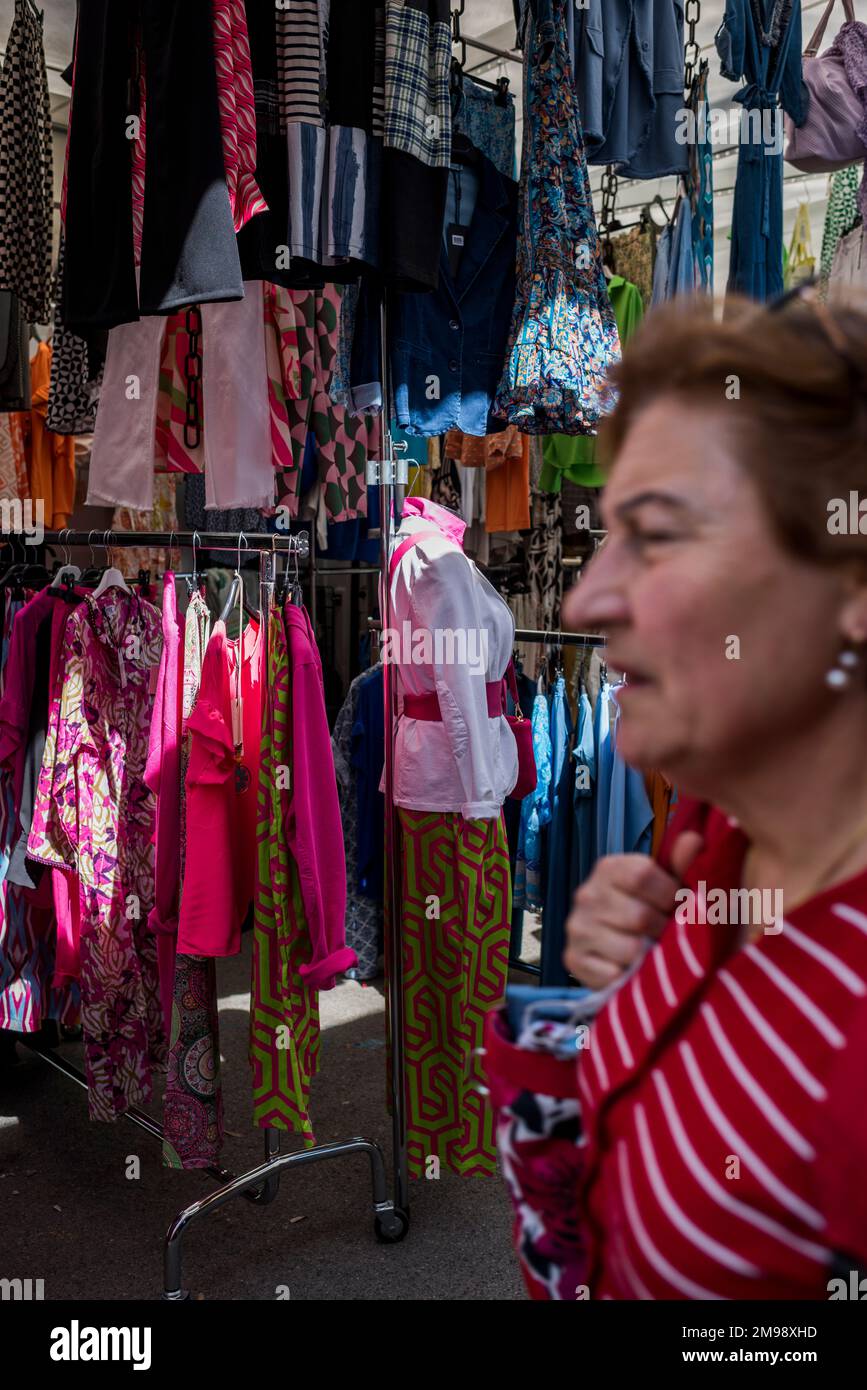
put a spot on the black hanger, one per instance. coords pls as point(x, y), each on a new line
point(645, 213)
point(36, 576)
point(12, 579)
point(65, 590)
point(456, 77)
point(94, 572)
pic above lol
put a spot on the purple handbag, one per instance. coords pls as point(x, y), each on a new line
point(832, 135)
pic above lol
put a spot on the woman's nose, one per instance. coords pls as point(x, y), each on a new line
point(598, 599)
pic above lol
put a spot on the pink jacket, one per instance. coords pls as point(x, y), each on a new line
point(14, 722)
point(315, 832)
point(163, 770)
point(163, 777)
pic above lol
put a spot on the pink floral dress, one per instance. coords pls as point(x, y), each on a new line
point(94, 817)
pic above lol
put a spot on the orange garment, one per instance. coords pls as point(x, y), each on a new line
point(52, 456)
point(659, 791)
point(507, 487)
point(14, 483)
point(480, 451)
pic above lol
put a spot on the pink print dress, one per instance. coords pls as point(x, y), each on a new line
point(94, 817)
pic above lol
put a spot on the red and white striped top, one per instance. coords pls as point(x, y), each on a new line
point(724, 1096)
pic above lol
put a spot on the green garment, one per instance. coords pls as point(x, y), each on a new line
point(841, 214)
point(574, 456)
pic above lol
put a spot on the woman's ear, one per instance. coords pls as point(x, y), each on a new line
point(853, 617)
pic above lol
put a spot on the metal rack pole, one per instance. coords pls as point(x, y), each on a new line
point(99, 538)
point(554, 638)
point(513, 57)
point(390, 500)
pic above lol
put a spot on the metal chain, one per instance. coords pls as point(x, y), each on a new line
point(609, 186)
point(193, 374)
point(692, 48)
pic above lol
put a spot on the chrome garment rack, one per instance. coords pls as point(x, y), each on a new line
point(256, 542)
point(391, 474)
point(459, 37)
point(554, 638)
point(259, 1185)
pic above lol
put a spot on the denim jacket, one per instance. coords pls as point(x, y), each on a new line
point(629, 73)
point(447, 348)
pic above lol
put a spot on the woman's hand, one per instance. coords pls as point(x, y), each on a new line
point(627, 897)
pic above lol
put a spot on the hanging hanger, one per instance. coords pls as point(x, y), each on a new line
point(647, 217)
point(296, 593)
point(112, 577)
point(456, 75)
point(24, 572)
point(193, 578)
point(236, 591)
point(235, 588)
point(63, 583)
point(93, 573)
point(35, 575)
point(284, 591)
point(11, 578)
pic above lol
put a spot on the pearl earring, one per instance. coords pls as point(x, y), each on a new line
point(841, 675)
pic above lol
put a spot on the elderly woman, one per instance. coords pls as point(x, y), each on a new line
point(723, 1090)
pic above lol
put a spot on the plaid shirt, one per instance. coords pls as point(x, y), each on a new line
point(417, 59)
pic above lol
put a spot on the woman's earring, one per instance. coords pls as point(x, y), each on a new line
point(840, 675)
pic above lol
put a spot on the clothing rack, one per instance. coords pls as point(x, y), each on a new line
point(513, 57)
point(560, 639)
point(458, 37)
point(261, 1184)
point(296, 543)
point(204, 540)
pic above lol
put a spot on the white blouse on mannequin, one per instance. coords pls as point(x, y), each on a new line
point(452, 634)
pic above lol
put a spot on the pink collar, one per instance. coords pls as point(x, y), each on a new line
point(451, 525)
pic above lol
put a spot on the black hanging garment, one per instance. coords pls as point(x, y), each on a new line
point(14, 355)
point(417, 142)
point(261, 240)
point(189, 253)
point(26, 176)
point(76, 373)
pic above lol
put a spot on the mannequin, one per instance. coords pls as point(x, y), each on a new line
point(456, 761)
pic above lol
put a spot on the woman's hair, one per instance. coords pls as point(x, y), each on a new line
point(792, 382)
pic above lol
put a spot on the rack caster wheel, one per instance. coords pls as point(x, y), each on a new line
point(182, 1296)
point(391, 1226)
